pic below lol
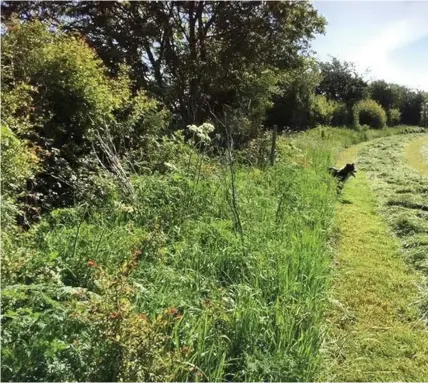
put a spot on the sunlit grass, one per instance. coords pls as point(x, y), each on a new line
point(221, 302)
point(399, 178)
point(416, 154)
point(377, 331)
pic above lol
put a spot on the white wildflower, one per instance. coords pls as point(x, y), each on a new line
point(202, 131)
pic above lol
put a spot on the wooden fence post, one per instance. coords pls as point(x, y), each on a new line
point(273, 148)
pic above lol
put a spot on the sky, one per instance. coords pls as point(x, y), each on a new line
point(387, 38)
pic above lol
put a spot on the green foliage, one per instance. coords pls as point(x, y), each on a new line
point(17, 108)
point(409, 102)
point(413, 104)
point(392, 96)
point(257, 151)
point(17, 163)
point(253, 100)
point(162, 286)
point(341, 115)
point(315, 94)
point(244, 117)
point(67, 80)
point(394, 116)
point(424, 114)
point(59, 94)
point(191, 60)
point(159, 255)
point(139, 119)
point(293, 108)
point(341, 82)
point(323, 110)
point(369, 112)
point(385, 94)
point(71, 333)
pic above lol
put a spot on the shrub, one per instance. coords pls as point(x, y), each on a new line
point(340, 115)
point(17, 163)
point(253, 99)
point(394, 117)
point(293, 107)
point(322, 110)
point(72, 333)
point(369, 112)
point(257, 151)
point(59, 94)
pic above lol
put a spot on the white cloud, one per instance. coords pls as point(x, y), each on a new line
point(373, 35)
point(376, 54)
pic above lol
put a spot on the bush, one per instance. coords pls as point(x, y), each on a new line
point(257, 151)
point(60, 96)
point(340, 115)
point(322, 110)
point(253, 99)
point(369, 112)
point(394, 117)
point(72, 333)
point(17, 163)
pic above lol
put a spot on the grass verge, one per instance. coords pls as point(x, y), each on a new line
point(213, 271)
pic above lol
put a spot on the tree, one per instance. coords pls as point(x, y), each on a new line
point(384, 94)
point(341, 82)
point(412, 107)
point(189, 54)
point(393, 96)
point(294, 106)
point(424, 112)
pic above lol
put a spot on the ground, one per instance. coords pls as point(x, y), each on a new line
point(377, 305)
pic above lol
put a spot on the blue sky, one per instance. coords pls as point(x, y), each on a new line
point(388, 38)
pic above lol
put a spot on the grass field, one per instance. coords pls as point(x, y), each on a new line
point(375, 324)
point(214, 271)
point(399, 178)
point(424, 153)
point(416, 154)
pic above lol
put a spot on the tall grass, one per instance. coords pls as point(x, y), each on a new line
point(163, 286)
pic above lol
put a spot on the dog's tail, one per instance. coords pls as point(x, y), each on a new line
point(333, 170)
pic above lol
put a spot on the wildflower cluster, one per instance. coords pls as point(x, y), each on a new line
point(202, 131)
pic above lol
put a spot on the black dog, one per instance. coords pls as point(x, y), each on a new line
point(343, 174)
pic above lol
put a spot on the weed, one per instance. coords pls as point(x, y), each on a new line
point(161, 286)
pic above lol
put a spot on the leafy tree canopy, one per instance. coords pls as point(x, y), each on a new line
point(341, 82)
point(190, 54)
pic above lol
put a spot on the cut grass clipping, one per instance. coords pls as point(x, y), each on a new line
point(376, 331)
point(399, 178)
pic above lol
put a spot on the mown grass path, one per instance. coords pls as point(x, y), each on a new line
point(374, 328)
point(413, 154)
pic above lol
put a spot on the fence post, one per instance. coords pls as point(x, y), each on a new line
point(273, 148)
